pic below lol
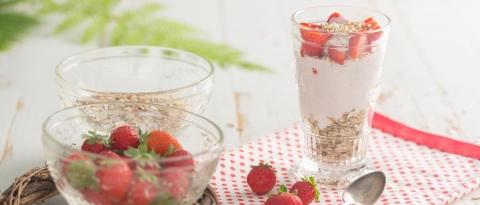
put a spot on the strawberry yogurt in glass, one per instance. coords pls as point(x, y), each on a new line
point(339, 53)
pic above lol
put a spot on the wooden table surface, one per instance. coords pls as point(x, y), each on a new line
point(430, 76)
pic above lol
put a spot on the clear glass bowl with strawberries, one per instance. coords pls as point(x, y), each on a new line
point(144, 74)
point(130, 153)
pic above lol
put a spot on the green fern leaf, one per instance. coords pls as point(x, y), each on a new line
point(71, 21)
point(141, 26)
point(95, 28)
point(13, 26)
point(9, 3)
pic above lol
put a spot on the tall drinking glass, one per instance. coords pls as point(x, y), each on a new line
point(339, 53)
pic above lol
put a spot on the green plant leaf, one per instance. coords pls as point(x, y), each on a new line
point(9, 3)
point(71, 21)
point(140, 26)
point(95, 28)
point(13, 26)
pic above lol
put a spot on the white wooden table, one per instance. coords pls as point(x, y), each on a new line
point(430, 78)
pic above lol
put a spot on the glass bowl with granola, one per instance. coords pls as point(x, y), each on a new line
point(143, 74)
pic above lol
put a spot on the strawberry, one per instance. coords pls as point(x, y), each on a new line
point(160, 141)
point(337, 18)
point(141, 158)
point(373, 26)
point(95, 198)
point(314, 40)
point(143, 189)
point(307, 190)
point(124, 137)
point(74, 158)
point(79, 171)
point(185, 160)
point(315, 36)
point(95, 143)
point(174, 181)
point(261, 178)
point(110, 154)
point(357, 45)
point(312, 50)
point(283, 198)
point(114, 176)
point(337, 55)
point(310, 25)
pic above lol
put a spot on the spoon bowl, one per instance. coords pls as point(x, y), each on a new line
point(366, 189)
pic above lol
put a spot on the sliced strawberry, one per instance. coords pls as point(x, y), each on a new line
point(310, 25)
point(357, 45)
point(372, 37)
point(312, 50)
point(337, 18)
point(337, 55)
point(314, 42)
point(316, 37)
point(373, 24)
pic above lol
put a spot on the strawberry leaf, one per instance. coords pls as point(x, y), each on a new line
point(81, 175)
point(283, 189)
point(312, 181)
point(263, 165)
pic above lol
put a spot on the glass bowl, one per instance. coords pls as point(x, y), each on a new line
point(143, 74)
point(77, 173)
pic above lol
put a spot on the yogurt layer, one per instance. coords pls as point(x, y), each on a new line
point(330, 90)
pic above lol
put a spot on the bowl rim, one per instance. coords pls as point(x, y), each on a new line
point(216, 149)
point(61, 80)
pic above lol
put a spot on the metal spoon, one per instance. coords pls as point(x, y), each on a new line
point(365, 190)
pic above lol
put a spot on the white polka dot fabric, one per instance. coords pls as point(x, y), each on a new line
point(415, 174)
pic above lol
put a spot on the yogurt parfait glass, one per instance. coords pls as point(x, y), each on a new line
point(339, 53)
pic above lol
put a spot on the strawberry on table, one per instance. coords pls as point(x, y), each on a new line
point(160, 141)
point(124, 137)
point(95, 143)
point(284, 198)
point(114, 177)
point(261, 178)
point(306, 190)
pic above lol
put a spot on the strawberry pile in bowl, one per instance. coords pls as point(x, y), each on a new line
point(100, 155)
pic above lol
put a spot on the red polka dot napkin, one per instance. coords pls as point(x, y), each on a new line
point(415, 174)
